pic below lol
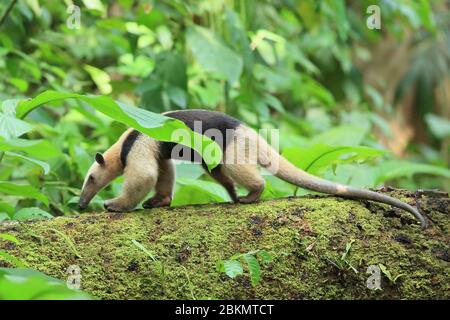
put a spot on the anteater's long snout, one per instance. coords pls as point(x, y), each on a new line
point(85, 198)
point(82, 204)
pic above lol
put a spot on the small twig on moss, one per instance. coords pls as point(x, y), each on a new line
point(69, 242)
point(191, 287)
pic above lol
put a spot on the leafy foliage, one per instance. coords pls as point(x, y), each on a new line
point(26, 284)
point(343, 263)
point(233, 267)
point(389, 275)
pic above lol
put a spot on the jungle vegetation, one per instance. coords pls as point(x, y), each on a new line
point(363, 106)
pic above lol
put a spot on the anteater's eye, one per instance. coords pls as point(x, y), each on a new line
point(91, 178)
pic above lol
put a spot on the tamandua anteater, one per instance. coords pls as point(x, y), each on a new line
point(147, 163)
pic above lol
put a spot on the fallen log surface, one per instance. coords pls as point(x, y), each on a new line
point(322, 248)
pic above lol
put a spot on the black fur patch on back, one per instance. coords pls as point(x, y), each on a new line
point(126, 146)
point(208, 119)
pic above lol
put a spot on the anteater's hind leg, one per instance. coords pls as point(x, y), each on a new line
point(247, 176)
point(240, 164)
point(164, 185)
point(218, 174)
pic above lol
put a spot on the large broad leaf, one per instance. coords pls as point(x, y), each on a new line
point(276, 188)
point(20, 190)
point(155, 125)
point(212, 54)
point(318, 157)
point(345, 135)
point(44, 165)
point(26, 284)
point(194, 191)
point(11, 127)
point(395, 169)
point(40, 149)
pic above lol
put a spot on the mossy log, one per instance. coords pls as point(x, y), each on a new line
point(306, 236)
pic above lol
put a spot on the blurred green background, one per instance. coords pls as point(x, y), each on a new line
point(361, 106)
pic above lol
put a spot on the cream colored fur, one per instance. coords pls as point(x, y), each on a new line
point(140, 175)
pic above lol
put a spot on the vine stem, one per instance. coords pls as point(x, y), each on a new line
point(7, 11)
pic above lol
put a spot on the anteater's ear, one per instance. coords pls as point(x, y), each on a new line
point(99, 158)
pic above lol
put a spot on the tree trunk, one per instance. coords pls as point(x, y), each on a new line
point(307, 238)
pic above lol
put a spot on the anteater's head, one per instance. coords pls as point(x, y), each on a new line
point(100, 174)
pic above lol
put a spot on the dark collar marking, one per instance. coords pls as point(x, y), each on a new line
point(126, 146)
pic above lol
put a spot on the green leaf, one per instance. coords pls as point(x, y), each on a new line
point(12, 259)
point(440, 127)
point(11, 127)
point(213, 54)
point(338, 8)
point(393, 169)
point(253, 268)
point(95, 5)
point(348, 246)
point(4, 216)
point(178, 96)
point(34, 5)
point(101, 78)
point(139, 66)
point(316, 158)
point(24, 191)
point(6, 207)
point(96, 203)
point(40, 149)
point(398, 277)
point(232, 268)
point(276, 188)
point(32, 213)
point(274, 102)
point(345, 135)
point(44, 165)
point(9, 237)
point(157, 126)
point(264, 256)
point(194, 191)
point(81, 158)
point(20, 84)
point(388, 274)
point(26, 284)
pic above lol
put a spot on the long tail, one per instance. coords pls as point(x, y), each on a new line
point(283, 169)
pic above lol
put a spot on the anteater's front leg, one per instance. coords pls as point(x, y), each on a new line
point(138, 183)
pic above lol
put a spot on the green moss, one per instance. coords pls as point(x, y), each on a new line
point(306, 236)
